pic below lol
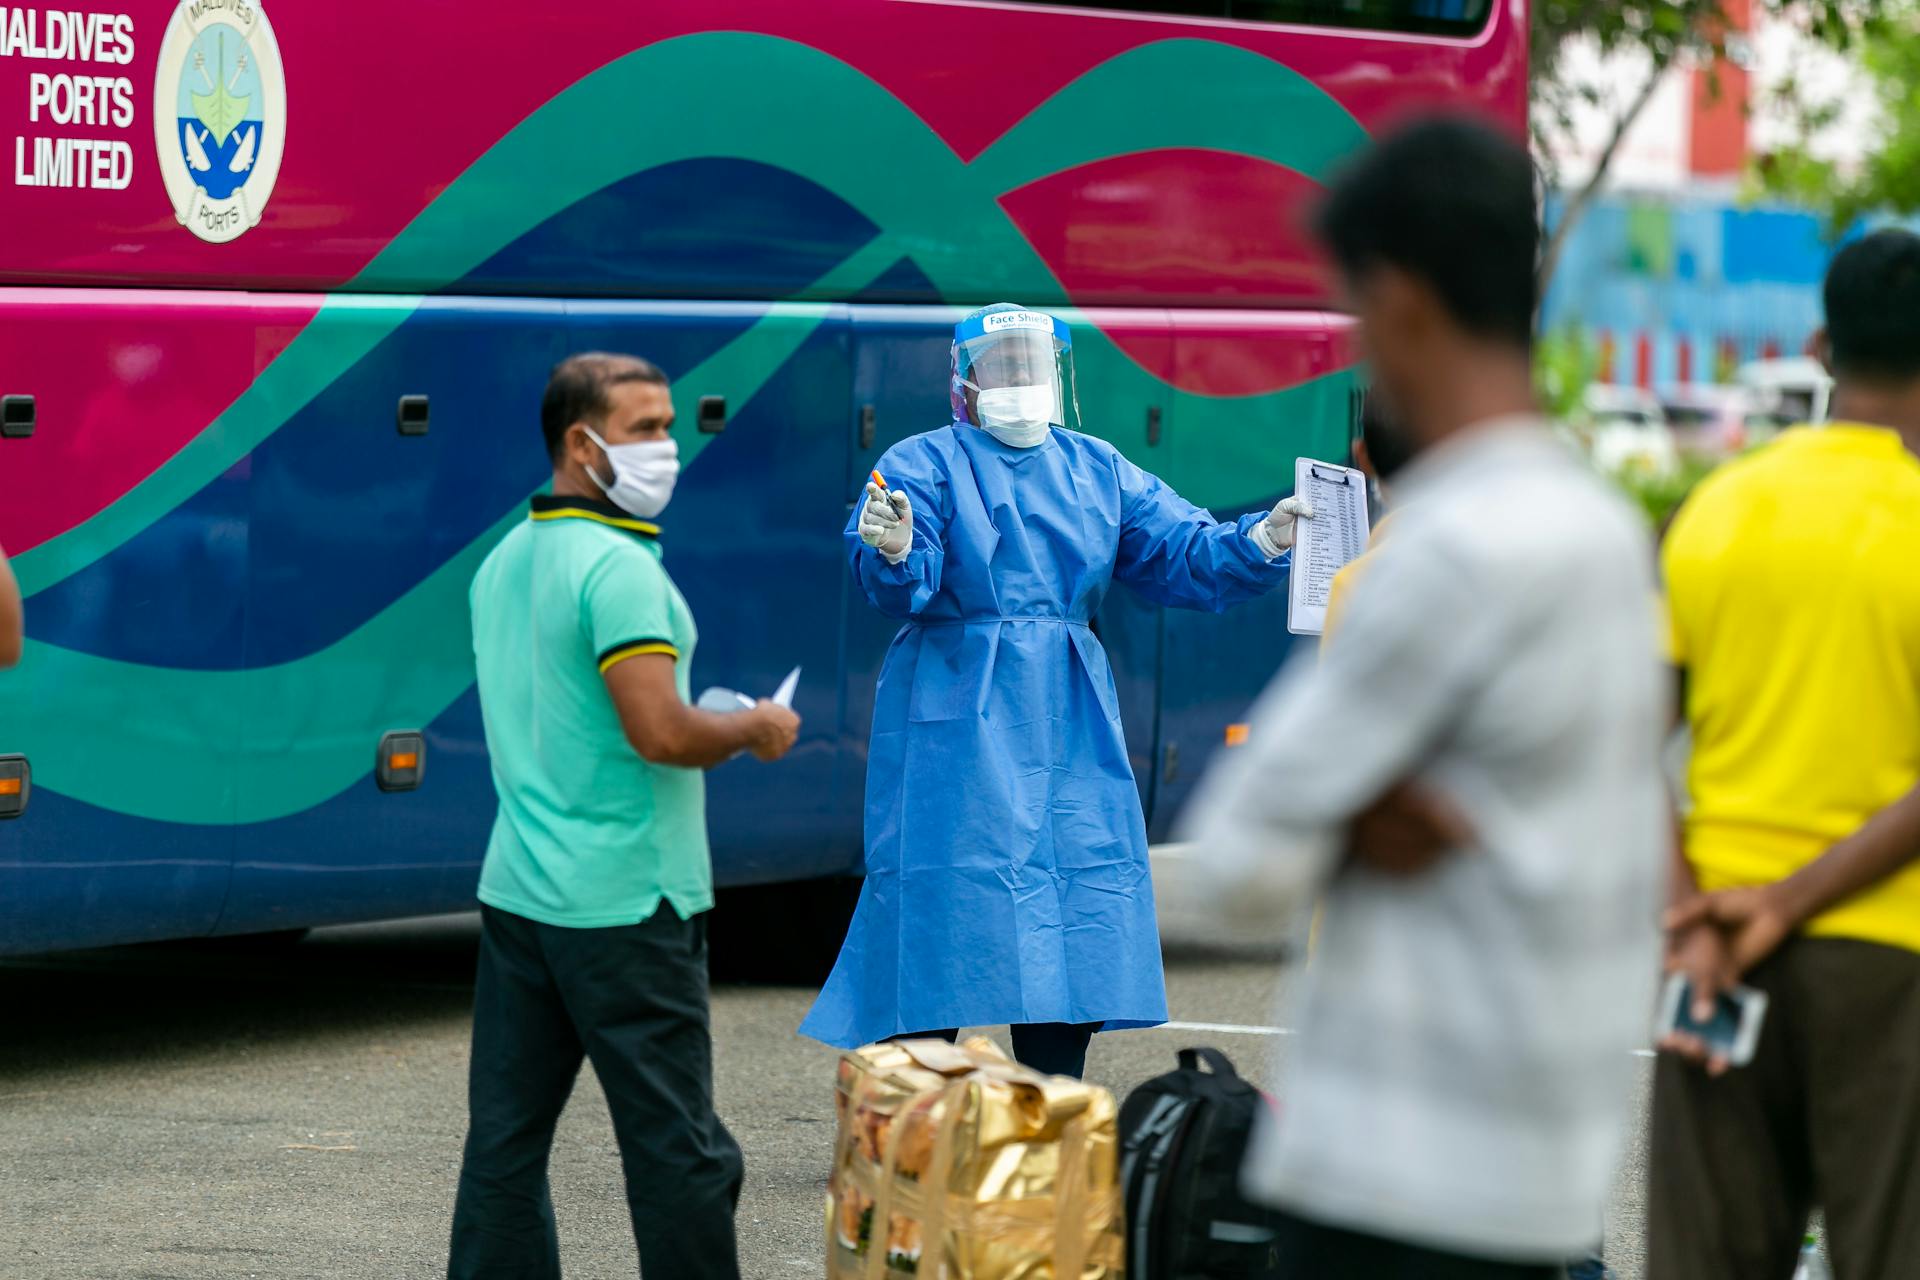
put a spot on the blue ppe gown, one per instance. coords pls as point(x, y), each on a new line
point(1006, 851)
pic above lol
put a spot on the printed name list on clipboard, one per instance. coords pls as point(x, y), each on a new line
point(1324, 545)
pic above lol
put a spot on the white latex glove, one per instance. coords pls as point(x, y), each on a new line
point(1275, 534)
point(886, 523)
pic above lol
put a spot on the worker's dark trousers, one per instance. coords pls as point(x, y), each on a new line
point(633, 999)
point(1051, 1048)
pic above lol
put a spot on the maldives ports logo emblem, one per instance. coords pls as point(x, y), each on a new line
point(219, 115)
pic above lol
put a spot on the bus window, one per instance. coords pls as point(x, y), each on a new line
point(1433, 17)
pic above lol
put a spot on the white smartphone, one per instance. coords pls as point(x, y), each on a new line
point(1734, 1028)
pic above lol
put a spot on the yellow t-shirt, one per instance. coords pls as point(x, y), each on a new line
point(1793, 590)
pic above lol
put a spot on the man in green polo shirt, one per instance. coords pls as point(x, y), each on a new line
point(597, 879)
point(12, 628)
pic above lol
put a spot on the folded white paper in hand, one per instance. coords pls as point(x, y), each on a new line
point(724, 700)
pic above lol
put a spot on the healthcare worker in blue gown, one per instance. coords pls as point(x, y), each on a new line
point(1007, 876)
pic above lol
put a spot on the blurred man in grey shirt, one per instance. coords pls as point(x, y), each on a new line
point(1469, 779)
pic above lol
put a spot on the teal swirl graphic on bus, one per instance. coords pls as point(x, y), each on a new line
point(787, 106)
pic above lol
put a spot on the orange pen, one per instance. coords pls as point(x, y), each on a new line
point(879, 479)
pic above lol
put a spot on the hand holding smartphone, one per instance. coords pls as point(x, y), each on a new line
point(1732, 1033)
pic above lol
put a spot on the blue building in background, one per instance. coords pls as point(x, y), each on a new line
point(1684, 286)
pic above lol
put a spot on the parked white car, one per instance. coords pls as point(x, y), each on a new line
point(1715, 421)
point(1794, 390)
point(1628, 432)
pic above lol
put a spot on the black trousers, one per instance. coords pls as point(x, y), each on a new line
point(1051, 1048)
point(1827, 1113)
point(634, 1000)
point(1312, 1251)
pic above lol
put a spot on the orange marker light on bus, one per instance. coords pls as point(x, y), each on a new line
point(1237, 734)
point(400, 763)
point(9, 786)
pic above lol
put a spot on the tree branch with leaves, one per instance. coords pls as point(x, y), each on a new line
point(1887, 177)
point(1670, 35)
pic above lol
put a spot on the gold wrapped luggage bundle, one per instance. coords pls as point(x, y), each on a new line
point(954, 1163)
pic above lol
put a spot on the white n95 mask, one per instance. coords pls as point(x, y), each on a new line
point(643, 475)
point(1017, 416)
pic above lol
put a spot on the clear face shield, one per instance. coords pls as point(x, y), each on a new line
point(1013, 373)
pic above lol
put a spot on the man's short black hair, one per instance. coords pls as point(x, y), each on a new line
point(1873, 308)
point(1451, 202)
point(577, 391)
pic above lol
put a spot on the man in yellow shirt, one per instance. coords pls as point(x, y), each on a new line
point(1793, 581)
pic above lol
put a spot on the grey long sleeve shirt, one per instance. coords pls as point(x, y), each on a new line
point(1461, 1070)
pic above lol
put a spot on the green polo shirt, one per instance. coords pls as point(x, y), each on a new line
point(589, 834)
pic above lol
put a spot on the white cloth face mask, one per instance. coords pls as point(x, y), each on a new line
point(643, 475)
point(1017, 416)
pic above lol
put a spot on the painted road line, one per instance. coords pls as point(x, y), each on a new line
point(1244, 1029)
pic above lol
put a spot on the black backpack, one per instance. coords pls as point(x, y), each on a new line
point(1183, 1136)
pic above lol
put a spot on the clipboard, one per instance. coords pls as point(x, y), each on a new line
point(1323, 546)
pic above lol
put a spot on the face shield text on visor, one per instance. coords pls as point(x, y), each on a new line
point(1013, 374)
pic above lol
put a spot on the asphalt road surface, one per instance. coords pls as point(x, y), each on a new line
point(206, 1111)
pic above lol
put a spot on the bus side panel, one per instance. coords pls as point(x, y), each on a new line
point(1214, 666)
point(957, 130)
point(357, 544)
point(346, 500)
point(752, 541)
point(135, 619)
point(365, 541)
